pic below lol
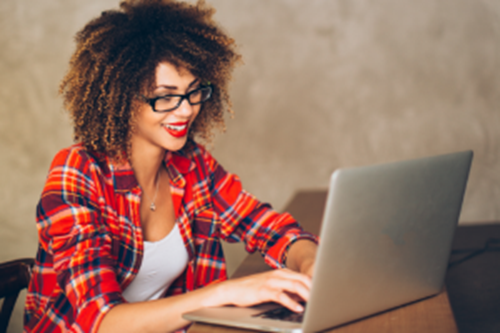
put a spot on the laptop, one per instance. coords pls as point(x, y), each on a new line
point(386, 238)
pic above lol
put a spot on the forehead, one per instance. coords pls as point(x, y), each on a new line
point(168, 75)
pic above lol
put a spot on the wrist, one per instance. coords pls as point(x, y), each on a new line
point(306, 266)
point(301, 256)
point(216, 295)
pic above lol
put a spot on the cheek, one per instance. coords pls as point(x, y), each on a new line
point(146, 120)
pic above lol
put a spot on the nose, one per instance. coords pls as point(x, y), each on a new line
point(185, 109)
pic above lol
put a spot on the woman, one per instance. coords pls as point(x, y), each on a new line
point(131, 217)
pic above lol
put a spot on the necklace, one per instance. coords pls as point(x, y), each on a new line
point(152, 207)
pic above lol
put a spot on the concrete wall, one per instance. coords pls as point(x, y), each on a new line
point(325, 84)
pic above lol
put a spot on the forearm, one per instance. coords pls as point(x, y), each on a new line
point(163, 315)
point(301, 256)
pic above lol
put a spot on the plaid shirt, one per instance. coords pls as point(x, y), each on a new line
point(91, 241)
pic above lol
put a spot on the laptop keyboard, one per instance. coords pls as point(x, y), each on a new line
point(281, 314)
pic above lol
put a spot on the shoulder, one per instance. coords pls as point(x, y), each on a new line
point(76, 168)
point(76, 157)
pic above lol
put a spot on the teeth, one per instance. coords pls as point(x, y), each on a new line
point(176, 127)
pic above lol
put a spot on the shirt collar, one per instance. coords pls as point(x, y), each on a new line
point(177, 163)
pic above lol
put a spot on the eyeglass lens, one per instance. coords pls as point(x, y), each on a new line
point(172, 102)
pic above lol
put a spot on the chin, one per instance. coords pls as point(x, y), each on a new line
point(175, 146)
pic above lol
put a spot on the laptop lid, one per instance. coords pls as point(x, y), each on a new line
point(385, 241)
point(386, 236)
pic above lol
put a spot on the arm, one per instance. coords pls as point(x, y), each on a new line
point(244, 218)
point(301, 256)
point(162, 315)
point(165, 315)
point(76, 282)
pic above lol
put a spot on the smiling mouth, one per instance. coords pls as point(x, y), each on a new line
point(176, 127)
point(177, 130)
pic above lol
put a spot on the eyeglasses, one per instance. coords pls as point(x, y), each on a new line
point(171, 102)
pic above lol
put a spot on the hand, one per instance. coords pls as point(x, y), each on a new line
point(282, 286)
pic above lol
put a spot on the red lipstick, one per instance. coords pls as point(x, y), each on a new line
point(177, 130)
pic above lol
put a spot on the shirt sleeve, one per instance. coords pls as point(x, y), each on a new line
point(244, 218)
point(71, 231)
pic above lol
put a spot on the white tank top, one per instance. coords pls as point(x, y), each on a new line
point(162, 263)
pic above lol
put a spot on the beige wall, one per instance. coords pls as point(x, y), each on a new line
point(325, 84)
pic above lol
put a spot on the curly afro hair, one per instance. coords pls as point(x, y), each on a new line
point(116, 58)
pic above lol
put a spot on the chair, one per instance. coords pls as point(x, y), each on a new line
point(14, 276)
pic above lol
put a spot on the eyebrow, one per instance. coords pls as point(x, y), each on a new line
point(175, 87)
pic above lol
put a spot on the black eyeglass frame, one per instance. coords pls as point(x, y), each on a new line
point(152, 101)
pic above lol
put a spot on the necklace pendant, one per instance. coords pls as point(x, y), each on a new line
point(152, 207)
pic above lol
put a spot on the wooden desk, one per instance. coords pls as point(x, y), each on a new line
point(433, 314)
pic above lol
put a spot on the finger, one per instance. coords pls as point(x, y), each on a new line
point(290, 286)
point(296, 297)
point(287, 301)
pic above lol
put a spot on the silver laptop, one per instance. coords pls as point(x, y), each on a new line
point(385, 241)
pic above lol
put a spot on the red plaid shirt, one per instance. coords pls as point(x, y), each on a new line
point(91, 241)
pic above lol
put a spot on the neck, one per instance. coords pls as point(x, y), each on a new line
point(146, 165)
